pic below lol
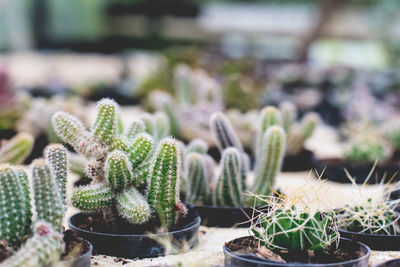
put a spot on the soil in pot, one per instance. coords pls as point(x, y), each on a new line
point(334, 170)
point(248, 248)
point(300, 162)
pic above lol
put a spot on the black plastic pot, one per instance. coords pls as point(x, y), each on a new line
point(299, 162)
point(81, 261)
point(213, 216)
point(136, 245)
point(391, 263)
point(334, 170)
point(375, 242)
point(248, 260)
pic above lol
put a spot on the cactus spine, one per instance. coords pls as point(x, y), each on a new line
point(163, 190)
point(56, 155)
point(228, 190)
point(270, 160)
point(136, 127)
point(223, 132)
point(17, 149)
point(15, 205)
point(133, 206)
point(42, 249)
point(48, 201)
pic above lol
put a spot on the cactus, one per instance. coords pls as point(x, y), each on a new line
point(105, 127)
point(150, 124)
point(228, 189)
point(223, 133)
point(198, 146)
point(163, 184)
point(162, 125)
point(184, 84)
point(17, 149)
point(118, 170)
point(15, 204)
point(42, 249)
point(196, 174)
point(140, 149)
point(48, 200)
point(92, 198)
point(133, 206)
point(289, 114)
point(56, 155)
point(270, 160)
point(269, 116)
point(136, 127)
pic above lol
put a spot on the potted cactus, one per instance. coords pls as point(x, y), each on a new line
point(372, 218)
point(17, 149)
point(217, 195)
point(292, 233)
point(32, 210)
point(133, 198)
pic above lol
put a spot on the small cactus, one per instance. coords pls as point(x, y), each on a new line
point(118, 170)
point(289, 114)
point(42, 249)
point(196, 178)
point(15, 204)
point(92, 198)
point(269, 116)
point(140, 149)
point(133, 206)
point(48, 201)
point(223, 132)
point(163, 184)
point(198, 146)
point(17, 149)
point(136, 127)
point(56, 155)
point(106, 125)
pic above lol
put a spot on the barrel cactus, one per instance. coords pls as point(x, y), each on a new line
point(135, 175)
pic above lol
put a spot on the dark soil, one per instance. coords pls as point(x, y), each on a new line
point(95, 223)
point(5, 251)
point(74, 246)
point(250, 246)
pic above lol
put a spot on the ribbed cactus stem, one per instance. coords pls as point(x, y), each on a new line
point(48, 200)
point(135, 127)
point(15, 205)
point(308, 124)
point(269, 163)
point(119, 143)
point(133, 206)
point(289, 114)
point(42, 249)
point(228, 190)
point(223, 132)
point(92, 198)
point(77, 164)
point(118, 170)
point(56, 155)
point(105, 127)
point(163, 182)
point(17, 149)
point(149, 123)
point(196, 178)
point(269, 116)
point(162, 125)
point(140, 149)
point(197, 145)
point(72, 131)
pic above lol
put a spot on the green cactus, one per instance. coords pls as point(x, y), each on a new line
point(196, 178)
point(92, 198)
point(150, 124)
point(105, 127)
point(269, 116)
point(140, 149)
point(42, 249)
point(133, 206)
point(56, 155)
point(136, 127)
point(17, 149)
point(270, 160)
point(15, 204)
point(118, 170)
point(162, 125)
point(289, 114)
point(184, 84)
point(293, 229)
point(228, 190)
point(163, 184)
point(48, 201)
point(223, 132)
point(198, 146)
point(119, 143)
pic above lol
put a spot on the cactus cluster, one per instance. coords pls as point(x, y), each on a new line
point(294, 228)
point(17, 149)
point(226, 187)
point(135, 175)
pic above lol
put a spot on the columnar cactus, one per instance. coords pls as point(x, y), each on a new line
point(48, 200)
point(197, 145)
point(269, 116)
point(197, 178)
point(56, 155)
point(15, 204)
point(122, 165)
point(17, 149)
point(42, 249)
point(223, 132)
point(163, 184)
point(184, 84)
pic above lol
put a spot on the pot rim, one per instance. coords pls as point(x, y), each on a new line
point(230, 253)
point(195, 223)
point(366, 234)
point(84, 255)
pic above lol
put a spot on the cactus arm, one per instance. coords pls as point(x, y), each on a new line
point(196, 178)
point(105, 127)
point(289, 115)
point(269, 163)
point(162, 125)
point(15, 204)
point(48, 201)
point(150, 124)
point(269, 116)
point(118, 170)
point(197, 145)
point(140, 149)
point(308, 125)
point(133, 206)
point(136, 127)
point(92, 198)
point(17, 149)
point(119, 143)
point(56, 155)
point(163, 183)
point(223, 132)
